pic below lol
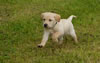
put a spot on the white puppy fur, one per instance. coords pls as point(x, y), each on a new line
point(57, 28)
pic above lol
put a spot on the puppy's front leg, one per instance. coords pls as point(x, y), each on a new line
point(45, 38)
point(55, 36)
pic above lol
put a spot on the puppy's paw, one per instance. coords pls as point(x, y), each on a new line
point(40, 46)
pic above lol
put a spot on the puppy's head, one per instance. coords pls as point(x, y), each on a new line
point(50, 19)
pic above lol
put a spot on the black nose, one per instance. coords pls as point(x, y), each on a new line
point(45, 25)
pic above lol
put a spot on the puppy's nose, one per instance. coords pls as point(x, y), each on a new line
point(45, 25)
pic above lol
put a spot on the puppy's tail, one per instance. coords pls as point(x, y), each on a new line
point(71, 17)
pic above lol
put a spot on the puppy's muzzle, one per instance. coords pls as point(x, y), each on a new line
point(45, 25)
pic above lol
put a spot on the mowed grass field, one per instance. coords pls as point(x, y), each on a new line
point(21, 30)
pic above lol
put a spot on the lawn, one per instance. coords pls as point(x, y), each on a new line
point(21, 30)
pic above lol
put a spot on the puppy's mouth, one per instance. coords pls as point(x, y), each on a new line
point(48, 27)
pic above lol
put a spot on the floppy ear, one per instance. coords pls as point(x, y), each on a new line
point(57, 17)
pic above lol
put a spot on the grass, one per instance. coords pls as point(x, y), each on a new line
point(21, 30)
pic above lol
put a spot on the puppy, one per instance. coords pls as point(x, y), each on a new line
point(57, 28)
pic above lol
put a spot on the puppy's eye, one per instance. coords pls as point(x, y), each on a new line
point(43, 19)
point(50, 20)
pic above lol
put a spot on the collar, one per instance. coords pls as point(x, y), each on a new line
point(55, 25)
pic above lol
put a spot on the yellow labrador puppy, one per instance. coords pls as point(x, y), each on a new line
point(57, 28)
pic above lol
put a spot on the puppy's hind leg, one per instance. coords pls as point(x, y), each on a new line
point(73, 35)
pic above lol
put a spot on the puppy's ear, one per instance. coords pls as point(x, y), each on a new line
point(42, 15)
point(57, 17)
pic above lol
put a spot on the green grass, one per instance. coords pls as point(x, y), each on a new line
point(21, 30)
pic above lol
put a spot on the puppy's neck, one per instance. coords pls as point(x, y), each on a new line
point(54, 25)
